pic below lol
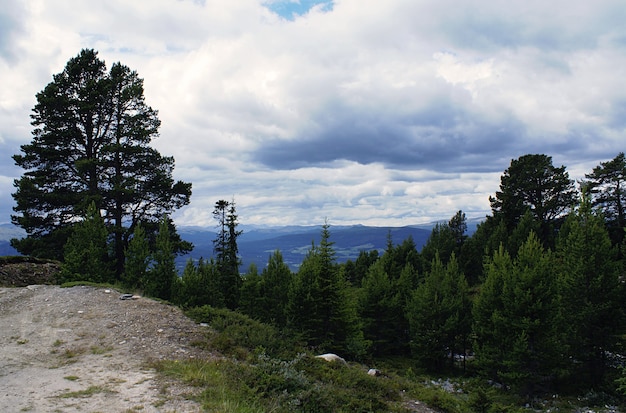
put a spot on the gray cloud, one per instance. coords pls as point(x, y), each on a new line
point(374, 112)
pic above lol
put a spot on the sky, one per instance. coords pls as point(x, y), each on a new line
point(385, 113)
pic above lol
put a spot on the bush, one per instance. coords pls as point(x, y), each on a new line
point(239, 335)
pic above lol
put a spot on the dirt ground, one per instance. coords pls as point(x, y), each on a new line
point(83, 349)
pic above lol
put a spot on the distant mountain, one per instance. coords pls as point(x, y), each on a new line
point(257, 244)
point(7, 232)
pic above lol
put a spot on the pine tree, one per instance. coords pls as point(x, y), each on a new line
point(137, 259)
point(518, 322)
point(226, 252)
point(86, 253)
point(163, 272)
point(320, 307)
point(274, 290)
point(438, 314)
point(606, 185)
point(91, 136)
point(591, 293)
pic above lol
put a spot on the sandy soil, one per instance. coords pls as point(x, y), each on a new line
point(82, 349)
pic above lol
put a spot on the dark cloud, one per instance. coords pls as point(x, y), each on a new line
point(441, 137)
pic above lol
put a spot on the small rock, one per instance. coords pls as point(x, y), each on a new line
point(107, 291)
point(374, 372)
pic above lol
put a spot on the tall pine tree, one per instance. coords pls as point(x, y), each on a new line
point(91, 136)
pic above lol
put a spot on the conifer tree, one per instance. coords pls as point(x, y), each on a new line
point(320, 306)
point(91, 136)
point(591, 293)
point(518, 322)
point(439, 315)
point(137, 259)
point(606, 185)
point(86, 253)
point(276, 281)
point(226, 252)
point(163, 272)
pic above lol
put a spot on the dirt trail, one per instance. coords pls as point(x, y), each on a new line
point(82, 349)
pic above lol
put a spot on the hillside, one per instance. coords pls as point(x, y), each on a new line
point(257, 244)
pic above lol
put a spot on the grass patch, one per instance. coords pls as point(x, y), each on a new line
point(71, 378)
point(88, 392)
point(301, 384)
point(100, 349)
point(238, 335)
point(22, 341)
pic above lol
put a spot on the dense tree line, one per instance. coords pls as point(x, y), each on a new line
point(533, 299)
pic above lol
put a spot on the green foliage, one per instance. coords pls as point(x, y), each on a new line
point(265, 296)
point(226, 250)
point(86, 254)
point(238, 334)
point(439, 316)
point(606, 185)
point(592, 294)
point(198, 286)
point(299, 384)
point(137, 257)
point(532, 183)
point(91, 136)
point(381, 308)
point(518, 324)
point(163, 274)
point(321, 308)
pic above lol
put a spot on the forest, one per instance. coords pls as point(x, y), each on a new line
point(529, 305)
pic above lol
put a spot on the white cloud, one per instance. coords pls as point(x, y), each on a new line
point(390, 112)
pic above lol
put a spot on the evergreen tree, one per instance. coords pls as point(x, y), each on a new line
point(198, 286)
point(320, 307)
point(380, 309)
point(226, 252)
point(137, 259)
point(591, 293)
point(518, 324)
point(163, 272)
point(91, 138)
point(250, 297)
point(439, 316)
point(607, 186)
point(86, 252)
point(275, 283)
point(532, 183)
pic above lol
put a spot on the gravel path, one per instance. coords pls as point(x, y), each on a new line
point(83, 349)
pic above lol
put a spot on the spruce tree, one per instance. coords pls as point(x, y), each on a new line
point(226, 251)
point(592, 293)
point(86, 253)
point(320, 307)
point(163, 272)
point(518, 322)
point(439, 316)
point(137, 259)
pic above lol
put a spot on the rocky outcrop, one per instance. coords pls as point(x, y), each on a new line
point(23, 271)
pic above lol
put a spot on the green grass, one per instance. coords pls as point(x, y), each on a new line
point(88, 392)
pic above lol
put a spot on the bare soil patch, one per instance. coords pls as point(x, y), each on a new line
point(82, 349)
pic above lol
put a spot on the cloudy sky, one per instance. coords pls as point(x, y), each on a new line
point(392, 112)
